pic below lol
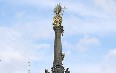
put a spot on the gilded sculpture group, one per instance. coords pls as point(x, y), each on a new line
point(58, 11)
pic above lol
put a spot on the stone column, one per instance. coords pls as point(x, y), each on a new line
point(58, 55)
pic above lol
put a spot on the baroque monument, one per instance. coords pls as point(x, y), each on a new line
point(58, 29)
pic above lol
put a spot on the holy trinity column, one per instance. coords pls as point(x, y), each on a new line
point(58, 29)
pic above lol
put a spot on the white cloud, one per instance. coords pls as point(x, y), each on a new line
point(86, 43)
point(107, 5)
point(9, 55)
point(87, 19)
point(42, 3)
point(91, 68)
point(85, 69)
point(83, 19)
point(20, 14)
point(111, 53)
point(90, 26)
point(83, 44)
point(111, 56)
point(17, 42)
point(35, 30)
point(16, 48)
point(106, 65)
point(83, 10)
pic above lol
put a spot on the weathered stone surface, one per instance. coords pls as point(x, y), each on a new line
point(58, 56)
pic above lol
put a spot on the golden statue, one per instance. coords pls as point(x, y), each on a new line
point(57, 20)
point(58, 11)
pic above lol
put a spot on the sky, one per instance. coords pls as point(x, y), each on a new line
point(26, 35)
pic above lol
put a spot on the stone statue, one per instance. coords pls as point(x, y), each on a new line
point(58, 10)
point(67, 71)
point(62, 55)
point(46, 71)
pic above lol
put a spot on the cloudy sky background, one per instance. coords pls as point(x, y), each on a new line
point(26, 34)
